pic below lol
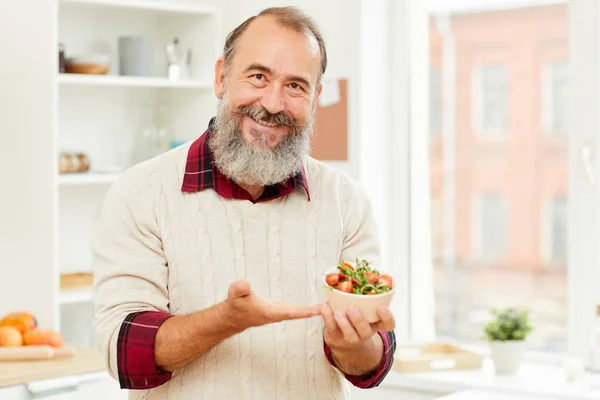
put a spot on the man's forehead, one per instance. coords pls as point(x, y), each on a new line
point(265, 34)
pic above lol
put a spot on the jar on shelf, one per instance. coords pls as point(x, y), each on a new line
point(62, 66)
point(153, 135)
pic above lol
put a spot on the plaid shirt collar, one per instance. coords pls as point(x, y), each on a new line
point(201, 173)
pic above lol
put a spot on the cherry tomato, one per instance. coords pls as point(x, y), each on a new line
point(345, 286)
point(332, 279)
point(372, 277)
point(385, 280)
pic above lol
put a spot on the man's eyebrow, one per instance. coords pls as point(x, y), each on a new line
point(258, 67)
point(265, 69)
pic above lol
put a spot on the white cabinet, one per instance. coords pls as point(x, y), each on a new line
point(116, 120)
point(98, 386)
point(389, 393)
point(46, 218)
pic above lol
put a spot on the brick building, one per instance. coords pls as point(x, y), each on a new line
point(499, 164)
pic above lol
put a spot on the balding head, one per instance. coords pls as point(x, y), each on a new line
point(286, 17)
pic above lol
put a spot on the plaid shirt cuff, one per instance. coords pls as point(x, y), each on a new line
point(372, 379)
point(135, 351)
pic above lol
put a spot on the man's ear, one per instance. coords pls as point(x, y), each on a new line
point(219, 85)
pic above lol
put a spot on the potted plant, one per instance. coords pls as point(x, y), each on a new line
point(506, 333)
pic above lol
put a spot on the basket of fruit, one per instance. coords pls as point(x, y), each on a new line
point(359, 285)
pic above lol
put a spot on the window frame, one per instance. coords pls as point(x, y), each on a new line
point(407, 226)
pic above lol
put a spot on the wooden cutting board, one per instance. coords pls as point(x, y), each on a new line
point(19, 372)
point(33, 353)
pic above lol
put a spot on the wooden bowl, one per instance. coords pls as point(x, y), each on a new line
point(89, 69)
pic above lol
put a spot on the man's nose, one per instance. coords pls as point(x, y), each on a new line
point(273, 99)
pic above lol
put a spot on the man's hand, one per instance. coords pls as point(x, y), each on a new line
point(356, 347)
point(244, 309)
point(182, 339)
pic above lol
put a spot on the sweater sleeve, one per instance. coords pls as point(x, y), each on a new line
point(374, 378)
point(360, 231)
point(130, 272)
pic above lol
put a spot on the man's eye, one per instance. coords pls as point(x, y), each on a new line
point(295, 86)
point(259, 77)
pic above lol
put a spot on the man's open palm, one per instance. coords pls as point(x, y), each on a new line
point(246, 309)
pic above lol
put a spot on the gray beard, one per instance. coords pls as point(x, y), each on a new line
point(256, 165)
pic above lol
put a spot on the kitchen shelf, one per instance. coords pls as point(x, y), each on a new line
point(87, 178)
point(148, 5)
point(74, 296)
point(130, 81)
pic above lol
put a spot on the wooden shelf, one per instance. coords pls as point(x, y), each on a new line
point(76, 287)
point(148, 5)
point(74, 296)
point(87, 178)
point(129, 81)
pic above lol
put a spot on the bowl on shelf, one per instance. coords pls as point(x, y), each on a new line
point(340, 300)
point(93, 64)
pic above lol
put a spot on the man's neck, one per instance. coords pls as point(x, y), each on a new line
point(255, 191)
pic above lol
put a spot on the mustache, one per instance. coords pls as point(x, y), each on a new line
point(261, 114)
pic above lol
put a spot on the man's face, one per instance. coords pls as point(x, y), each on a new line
point(268, 96)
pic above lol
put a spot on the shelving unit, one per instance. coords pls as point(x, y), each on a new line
point(128, 81)
point(87, 178)
point(149, 6)
point(103, 116)
point(75, 296)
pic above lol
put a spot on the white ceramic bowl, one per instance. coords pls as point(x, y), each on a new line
point(367, 304)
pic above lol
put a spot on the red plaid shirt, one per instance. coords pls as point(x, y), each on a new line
point(135, 349)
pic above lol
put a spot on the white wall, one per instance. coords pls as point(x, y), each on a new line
point(27, 166)
point(339, 24)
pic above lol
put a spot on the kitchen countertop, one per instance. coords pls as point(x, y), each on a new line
point(534, 380)
point(21, 372)
point(484, 395)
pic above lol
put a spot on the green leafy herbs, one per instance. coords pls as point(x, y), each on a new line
point(508, 324)
point(359, 279)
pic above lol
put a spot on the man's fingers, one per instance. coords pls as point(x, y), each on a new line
point(347, 329)
point(239, 289)
point(328, 318)
point(387, 322)
point(360, 324)
point(284, 312)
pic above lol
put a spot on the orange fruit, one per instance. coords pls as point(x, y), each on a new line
point(23, 321)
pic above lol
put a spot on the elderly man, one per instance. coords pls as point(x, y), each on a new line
point(208, 258)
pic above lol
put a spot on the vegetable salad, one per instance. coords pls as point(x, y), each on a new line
point(360, 280)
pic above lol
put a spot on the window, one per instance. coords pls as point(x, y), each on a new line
point(435, 101)
point(555, 107)
point(491, 220)
point(504, 208)
point(491, 98)
point(554, 220)
point(436, 228)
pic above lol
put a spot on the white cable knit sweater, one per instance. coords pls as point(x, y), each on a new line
point(159, 249)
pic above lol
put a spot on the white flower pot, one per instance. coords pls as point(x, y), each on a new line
point(507, 355)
